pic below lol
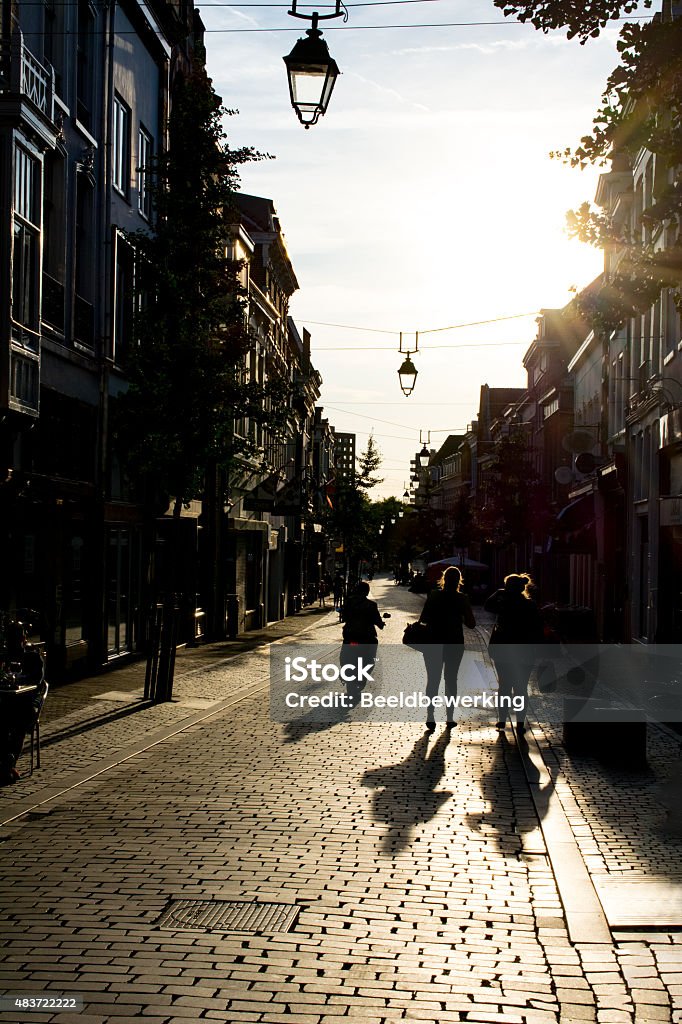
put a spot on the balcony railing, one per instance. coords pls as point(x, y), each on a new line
point(29, 78)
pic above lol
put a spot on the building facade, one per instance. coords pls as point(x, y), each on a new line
point(83, 105)
point(85, 96)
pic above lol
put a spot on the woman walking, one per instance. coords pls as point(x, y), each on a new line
point(445, 611)
point(518, 623)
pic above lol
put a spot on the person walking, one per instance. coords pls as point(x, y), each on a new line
point(361, 619)
point(516, 633)
point(338, 589)
point(445, 611)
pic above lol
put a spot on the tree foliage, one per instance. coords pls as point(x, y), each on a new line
point(464, 523)
point(187, 381)
point(368, 464)
point(515, 502)
point(582, 18)
point(641, 110)
point(353, 518)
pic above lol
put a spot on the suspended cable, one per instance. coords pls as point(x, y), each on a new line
point(432, 330)
point(422, 348)
point(477, 323)
point(329, 28)
point(392, 423)
point(402, 404)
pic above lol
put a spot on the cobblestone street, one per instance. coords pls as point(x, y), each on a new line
point(432, 886)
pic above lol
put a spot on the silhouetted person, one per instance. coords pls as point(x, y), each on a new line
point(361, 617)
point(518, 623)
point(338, 588)
point(445, 611)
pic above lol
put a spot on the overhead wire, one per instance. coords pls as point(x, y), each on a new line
point(431, 330)
point(392, 423)
point(371, 28)
point(328, 28)
point(425, 348)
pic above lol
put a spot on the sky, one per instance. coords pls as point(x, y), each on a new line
point(424, 199)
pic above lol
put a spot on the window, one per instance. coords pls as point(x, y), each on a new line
point(25, 380)
point(124, 298)
point(54, 240)
point(121, 146)
point(54, 40)
point(144, 173)
point(84, 61)
point(671, 323)
point(25, 256)
point(83, 312)
point(619, 411)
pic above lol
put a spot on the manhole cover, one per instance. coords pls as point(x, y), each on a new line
point(229, 916)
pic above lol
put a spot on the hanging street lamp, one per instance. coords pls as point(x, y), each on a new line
point(424, 455)
point(311, 70)
point(407, 374)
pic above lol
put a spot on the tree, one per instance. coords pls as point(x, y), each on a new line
point(464, 524)
point(368, 463)
point(582, 18)
point(516, 502)
point(186, 373)
point(353, 519)
point(641, 110)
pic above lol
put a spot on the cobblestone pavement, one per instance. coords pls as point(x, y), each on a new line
point(83, 720)
point(420, 896)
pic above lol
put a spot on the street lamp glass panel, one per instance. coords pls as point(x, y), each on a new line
point(312, 74)
point(407, 375)
point(424, 457)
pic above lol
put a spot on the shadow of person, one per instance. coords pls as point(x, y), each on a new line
point(406, 794)
point(506, 813)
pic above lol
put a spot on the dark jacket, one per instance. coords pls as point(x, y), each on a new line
point(518, 619)
point(445, 612)
point(361, 618)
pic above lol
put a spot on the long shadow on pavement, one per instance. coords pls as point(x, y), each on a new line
point(503, 789)
point(406, 793)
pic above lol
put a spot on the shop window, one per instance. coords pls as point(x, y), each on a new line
point(252, 573)
point(73, 591)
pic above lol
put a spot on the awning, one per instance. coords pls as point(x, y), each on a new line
point(461, 563)
point(574, 532)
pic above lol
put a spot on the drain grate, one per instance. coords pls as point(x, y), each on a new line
point(229, 916)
